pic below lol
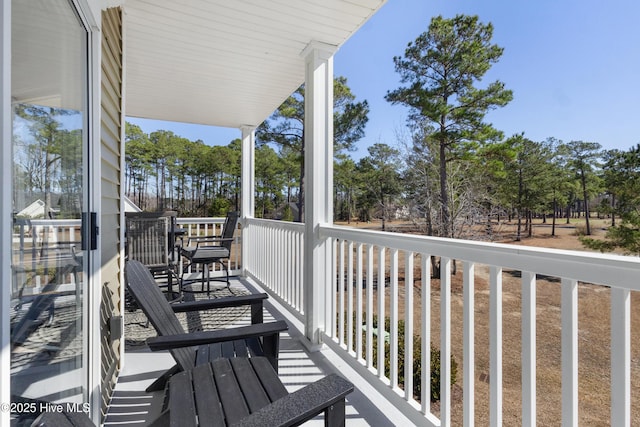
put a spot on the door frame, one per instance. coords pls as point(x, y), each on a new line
point(89, 18)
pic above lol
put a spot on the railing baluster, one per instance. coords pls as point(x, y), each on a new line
point(408, 326)
point(445, 341)
point(495, 345)
point(350, 297)
point(425, 333)
point(358, 308)
point(569, 352)
point(333, 283)
point(468, 345)
point(370, 272)
point(381, 309)
point(620, 357)
point(393, 318)
point(341, 272)
point(301, 273)
point(528, 349)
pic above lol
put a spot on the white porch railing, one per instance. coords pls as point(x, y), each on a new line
point(364, 259)
point(275, 258)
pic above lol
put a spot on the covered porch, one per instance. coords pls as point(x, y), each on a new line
point(350, 296)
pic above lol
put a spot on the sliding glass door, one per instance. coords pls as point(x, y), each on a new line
point(49, 243)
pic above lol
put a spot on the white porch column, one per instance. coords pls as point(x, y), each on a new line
point(318, 152)
point(248, 188)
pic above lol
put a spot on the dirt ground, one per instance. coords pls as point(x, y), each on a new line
point(593, 337)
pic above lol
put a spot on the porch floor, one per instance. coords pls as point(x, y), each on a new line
point(131, 405)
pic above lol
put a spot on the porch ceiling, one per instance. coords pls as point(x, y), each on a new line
point(226, 63)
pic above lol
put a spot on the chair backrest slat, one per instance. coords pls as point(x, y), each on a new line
point(148, 239)
point(230, 224)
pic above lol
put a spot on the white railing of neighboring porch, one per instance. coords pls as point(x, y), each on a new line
point(362, 259)
point(30, 236)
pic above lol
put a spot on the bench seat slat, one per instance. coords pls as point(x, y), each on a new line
point(233, 402)
point(249, 384)
point(181, 401)
point(268, 378)
point(207, 397)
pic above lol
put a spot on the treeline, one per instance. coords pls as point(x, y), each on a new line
point(516, 179)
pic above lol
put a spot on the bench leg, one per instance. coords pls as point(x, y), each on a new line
point(334, 415)
point(159, 384)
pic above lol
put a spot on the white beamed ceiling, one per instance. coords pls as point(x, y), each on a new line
point(226, 62)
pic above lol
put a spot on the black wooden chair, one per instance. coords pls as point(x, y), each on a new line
point(195, 348)
point(205, 251)
point(151, 240)
point(235, 392)
point(248, 392)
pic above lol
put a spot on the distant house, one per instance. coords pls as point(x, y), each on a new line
point(36, 210)
point(129, 206)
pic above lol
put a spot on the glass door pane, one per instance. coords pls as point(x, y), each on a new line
point(49, 281)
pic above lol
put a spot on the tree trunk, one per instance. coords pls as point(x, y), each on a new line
point(553, 224)
point(444, 196)
point(586, 201)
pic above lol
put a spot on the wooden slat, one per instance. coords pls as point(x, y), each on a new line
point(207, 397)
point(182, 404)
point(249, 383)
point(227, 349)
point(240, 348)
point(268, 378)
point(202, 354)
point(231, 396)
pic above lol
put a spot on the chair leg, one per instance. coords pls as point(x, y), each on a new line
point(161, 382)
point(334, 415)
point(226, 271)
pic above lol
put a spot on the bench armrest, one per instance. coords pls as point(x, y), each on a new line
point(294, 409)
point(168, 342)
point(256, 301)
point(214, 303)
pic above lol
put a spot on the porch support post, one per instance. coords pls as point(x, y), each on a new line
point(6, 169)
point(318, 153)
point(248, 189)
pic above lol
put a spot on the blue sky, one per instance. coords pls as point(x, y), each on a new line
point(573, 66)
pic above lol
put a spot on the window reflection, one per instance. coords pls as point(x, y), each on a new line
point(49, 63)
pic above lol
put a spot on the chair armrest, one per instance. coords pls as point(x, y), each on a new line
point(224, 302)
point(168, 342)
point(301, 405)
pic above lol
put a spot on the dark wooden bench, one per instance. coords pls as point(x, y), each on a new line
point(242, 392)
point(248, 392)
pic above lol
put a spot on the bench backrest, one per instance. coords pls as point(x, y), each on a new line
point(155, 306)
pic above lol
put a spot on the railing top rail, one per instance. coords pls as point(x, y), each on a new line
point(56, 222)
point(590, 267)
point(200, 220)
point(286, 225)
